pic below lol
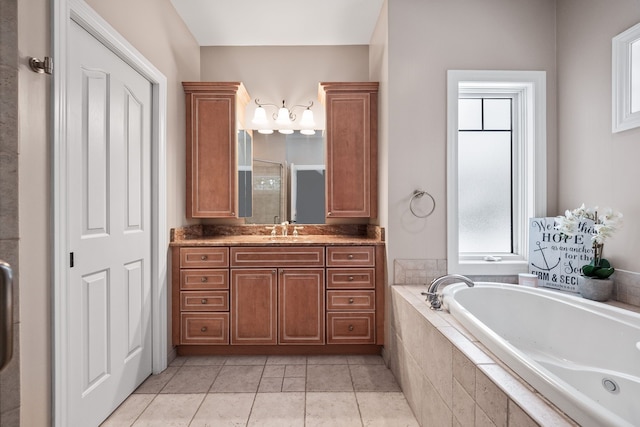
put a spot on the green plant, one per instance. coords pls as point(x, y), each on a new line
point(603, 227)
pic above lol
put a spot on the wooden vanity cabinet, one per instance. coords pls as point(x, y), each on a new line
point(201, 295)
point(296, 276)
point(352, 149)
point(247, 299)
point(351, 295)
point(214, 112)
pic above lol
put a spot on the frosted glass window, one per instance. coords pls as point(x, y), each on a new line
point(484, 175)
point(497, 114)
point(484, 205)
point(470, 114)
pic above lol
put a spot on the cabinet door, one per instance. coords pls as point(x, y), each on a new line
point(352, 143)
point(253, 306)
point(301, 306)
point(211, 152)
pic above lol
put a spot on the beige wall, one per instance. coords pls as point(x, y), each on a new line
point(292, 73)
point(597, 167)
point(166, 42)
point(425, 40)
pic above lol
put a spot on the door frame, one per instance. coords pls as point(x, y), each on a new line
point(77, 10)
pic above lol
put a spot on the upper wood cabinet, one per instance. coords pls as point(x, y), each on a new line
point(352, 149)
point(214, 113)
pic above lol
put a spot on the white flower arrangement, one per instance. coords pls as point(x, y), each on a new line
point(604, 227)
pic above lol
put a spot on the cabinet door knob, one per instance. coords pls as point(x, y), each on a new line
point(328, 213)
point(203, 329)
point(350, 256)
point(351, 278)
point(350, 300)
point(203, 300)
point(203, 279)
point(350, 327)
point(203, 257)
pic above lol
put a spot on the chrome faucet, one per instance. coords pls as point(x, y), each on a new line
point(432, 292)
point(285, 228)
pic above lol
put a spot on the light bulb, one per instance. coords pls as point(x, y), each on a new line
point(260, 116)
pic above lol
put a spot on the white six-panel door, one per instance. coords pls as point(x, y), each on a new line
point(109, 229)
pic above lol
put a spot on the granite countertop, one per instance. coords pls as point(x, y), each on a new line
point(259, 235)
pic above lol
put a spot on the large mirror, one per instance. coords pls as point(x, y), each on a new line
point(281, 177)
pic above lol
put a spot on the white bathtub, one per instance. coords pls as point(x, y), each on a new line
point(568, 348)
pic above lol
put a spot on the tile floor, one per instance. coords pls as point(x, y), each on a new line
point(264, 391)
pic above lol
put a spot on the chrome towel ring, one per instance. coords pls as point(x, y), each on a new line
point(417, 194)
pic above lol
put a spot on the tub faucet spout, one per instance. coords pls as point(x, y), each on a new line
point(432, 292)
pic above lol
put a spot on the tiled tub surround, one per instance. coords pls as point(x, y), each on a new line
point(423, 271)
point(449, 378)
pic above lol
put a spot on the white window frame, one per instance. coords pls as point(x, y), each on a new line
point(528, 91)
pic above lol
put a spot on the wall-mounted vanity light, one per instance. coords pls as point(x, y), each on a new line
point(284, 118)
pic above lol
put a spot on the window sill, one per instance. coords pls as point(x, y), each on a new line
point(481, 267)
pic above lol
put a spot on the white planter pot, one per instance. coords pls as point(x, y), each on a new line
point(595, 289)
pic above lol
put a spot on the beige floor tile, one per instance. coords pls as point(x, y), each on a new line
point(274, 371)
point(270, 385)
point(373, 378)
point(295, 371)
point(129, 411)
point(332, 409)
point(287, 360)
point(385, 409)
point(293, 384)
point(278, 410)
point(246, 360)
point(328, 378)
point(327, 360)
point(365, 359)
point(192, 379)
point(178, 361)
point(170, 410)
point(224, 410)
point(205, 360)
point(237, 379)
point(154, 383)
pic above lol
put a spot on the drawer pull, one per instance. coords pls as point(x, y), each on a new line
point(350, 328)
point(203, 329)
point(203, 257)
point(351, 278)
point(350, 256)
point(203, 300)
point(204, 279)
point(350, 300)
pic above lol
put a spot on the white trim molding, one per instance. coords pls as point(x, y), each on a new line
point(65, 11)
point(528, 90)
point(625, 75)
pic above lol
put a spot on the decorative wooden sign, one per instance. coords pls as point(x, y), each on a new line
point(556, 258)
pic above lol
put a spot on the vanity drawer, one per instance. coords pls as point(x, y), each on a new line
point(351, 278)
point(351, 300)
point(204, 257)
point(271, 257)
point(351, 256)
point(204, 328)
point(204, 301)
point(204, 279)
point(350, 328)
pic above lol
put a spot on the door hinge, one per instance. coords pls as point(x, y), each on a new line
point(71, 261)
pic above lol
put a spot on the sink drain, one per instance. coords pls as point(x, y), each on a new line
point(610, 385)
